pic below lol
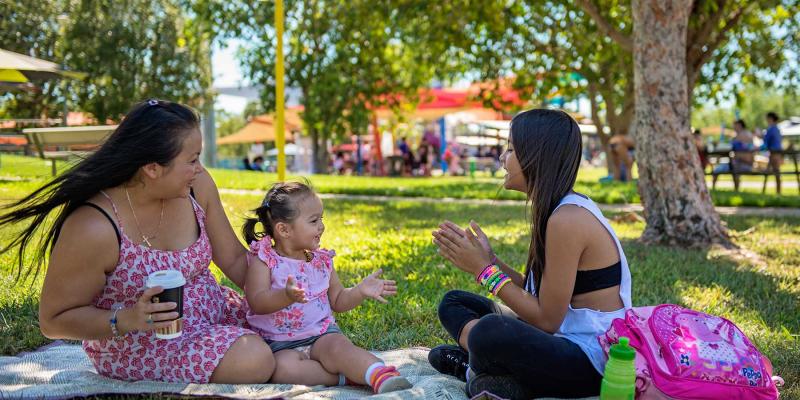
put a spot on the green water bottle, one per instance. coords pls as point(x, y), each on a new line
point(619, 379)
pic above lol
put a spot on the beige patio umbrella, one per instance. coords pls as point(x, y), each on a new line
point(17, 70)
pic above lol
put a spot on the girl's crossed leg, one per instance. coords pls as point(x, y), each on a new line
point(296, 367)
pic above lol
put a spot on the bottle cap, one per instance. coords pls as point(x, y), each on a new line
point(621, 350)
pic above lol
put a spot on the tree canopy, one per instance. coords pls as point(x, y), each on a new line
point(130, 51)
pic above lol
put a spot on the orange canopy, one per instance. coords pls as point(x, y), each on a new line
point(291, 117)
point(262, 129)
point(254, 131)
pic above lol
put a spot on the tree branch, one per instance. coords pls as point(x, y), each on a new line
point(693, 65)
point(696, 37)
point(722, 34)
point(595, 108)
point(623, 40)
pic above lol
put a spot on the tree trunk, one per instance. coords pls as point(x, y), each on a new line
point(677, 205)
point(599, 125)
point(319, 152)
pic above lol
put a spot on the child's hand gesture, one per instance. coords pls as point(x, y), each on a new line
point(375, 288)
point(294, 292)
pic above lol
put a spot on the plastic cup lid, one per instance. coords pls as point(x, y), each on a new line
point(167, 279)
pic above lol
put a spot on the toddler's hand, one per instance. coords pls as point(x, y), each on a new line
point(294, 292)
point(375, 288)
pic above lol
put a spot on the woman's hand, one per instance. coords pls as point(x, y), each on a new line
point(146, 315)
point(294, 292)
point(462, 247)
point(375, 288)
point(482, 238)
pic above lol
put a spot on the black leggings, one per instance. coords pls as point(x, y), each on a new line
point(502, 344)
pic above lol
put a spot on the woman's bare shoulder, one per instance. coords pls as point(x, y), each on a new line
point(86, 229)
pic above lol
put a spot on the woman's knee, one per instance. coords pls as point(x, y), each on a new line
point(248, 360)
point(450, 299)
point(488, 333)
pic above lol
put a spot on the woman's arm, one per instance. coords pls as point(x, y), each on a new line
point(564, 245)
point(227, 252)
point(563, 249)
point(261, 297)
point(86, 250)
point(515, 276)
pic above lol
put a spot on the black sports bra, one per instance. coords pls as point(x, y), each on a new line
point(596, 279)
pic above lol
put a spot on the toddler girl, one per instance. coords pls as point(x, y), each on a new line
point(293, 291)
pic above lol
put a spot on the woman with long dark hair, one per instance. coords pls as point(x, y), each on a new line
point(141, 203)
point(543, 341)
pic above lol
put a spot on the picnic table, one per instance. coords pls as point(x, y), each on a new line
point(61, 143)
point(721, 157)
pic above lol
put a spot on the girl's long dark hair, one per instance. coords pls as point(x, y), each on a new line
point(548, 145)
point(153, 131)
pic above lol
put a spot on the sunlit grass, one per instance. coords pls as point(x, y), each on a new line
point(761, 294)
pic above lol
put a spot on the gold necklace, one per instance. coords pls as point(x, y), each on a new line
point(145, 239)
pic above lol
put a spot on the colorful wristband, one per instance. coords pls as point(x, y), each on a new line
point(496, 290)
point(496, 282)
point(485, 274)
point(494, 279)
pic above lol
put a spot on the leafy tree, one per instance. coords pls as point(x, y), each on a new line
point(344, 56)
point(130, 51)
point(349, 57)
point(31, 28)
point(753, 104)
point(228, 124)
point(676, 46)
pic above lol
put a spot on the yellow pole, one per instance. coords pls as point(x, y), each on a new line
point(279, 111)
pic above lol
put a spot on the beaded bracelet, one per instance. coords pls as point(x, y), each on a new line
point(492, 278)
point(496, 289)
point(487, 272)
point(113, 322)
point(495, 279)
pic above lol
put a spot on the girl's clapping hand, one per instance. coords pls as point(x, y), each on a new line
point(375, 288)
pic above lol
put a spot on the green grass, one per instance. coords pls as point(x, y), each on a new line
point(33, 171)
point(762, 298)
point(761, 294)
point(491, 188)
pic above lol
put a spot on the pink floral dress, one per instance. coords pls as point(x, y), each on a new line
point(214, 316)
point(299, 320)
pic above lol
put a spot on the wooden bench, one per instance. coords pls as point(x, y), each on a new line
point(730, 155)
point(61, 143)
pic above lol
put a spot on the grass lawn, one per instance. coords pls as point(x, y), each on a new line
point(760, 294)
point(32, 170)
point(491, 188)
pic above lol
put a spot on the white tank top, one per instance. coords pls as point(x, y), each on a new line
point(582, 326)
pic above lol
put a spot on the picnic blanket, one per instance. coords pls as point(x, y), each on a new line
point(62, 370)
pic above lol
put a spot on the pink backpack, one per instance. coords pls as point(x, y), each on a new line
point(686, 354)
